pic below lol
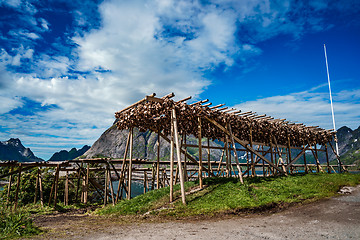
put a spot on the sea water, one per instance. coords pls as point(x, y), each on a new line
point(137, 188)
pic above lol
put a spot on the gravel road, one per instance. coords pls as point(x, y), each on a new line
point(335, 218)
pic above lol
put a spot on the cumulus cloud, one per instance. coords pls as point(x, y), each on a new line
point(136, 48)
point(310, 107)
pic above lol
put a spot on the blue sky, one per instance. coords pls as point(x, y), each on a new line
point(67, 66)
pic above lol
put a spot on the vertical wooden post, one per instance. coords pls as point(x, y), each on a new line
point(78, 183)
point(263, 162)
point(87, 183)
point(327, 159)
point(200, 153)
point(111, 186)
point(153, 176)
point(172, 161)
point(36, 187)
point(235, 154)
point(130, 164)
point(181, 174)
point(252, 155)
point(220, 161)
point(9, 186)
point(145, 181)
point(185, 157)
point(247, 163)
point(83, 189)
point(56, 184)
point(272, 157)
point(208, 153)
point(164, 177)
point(316, 159)
point(305, 164)
point(17, 187)
point(66, 197)
point(289, 153)
point(123, 166)
point(41, 188)
point(158, 162)
point(106, 185)
point(227, 157)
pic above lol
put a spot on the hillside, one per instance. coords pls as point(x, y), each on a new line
point(13, 149)
point(64, 155)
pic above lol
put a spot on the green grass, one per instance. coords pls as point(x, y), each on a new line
point(229, 195)
point(143, 203)
point(16, 224)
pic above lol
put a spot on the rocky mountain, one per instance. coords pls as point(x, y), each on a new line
point(112, 144)
point(64, 155)
point(13, 149)
point(349, 145)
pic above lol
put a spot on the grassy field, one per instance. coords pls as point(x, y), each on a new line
point(225, 195)
point(220, 196)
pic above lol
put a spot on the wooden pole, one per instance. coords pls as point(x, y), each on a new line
point(208, 153)
point(130, 164)
point(78, 183)
point(145, 181)
point(337, 156)
point(153, 177)
point(66, 197)
point(41, 188)
point(9, 186)
point(305, 164)
point(181, 174)
point(36, 187)
point(17, 187)
point(289, 152)
point(87, 183)
point(158, 162)
point(272, 157)
point(106, 185)
point(172, 162)
point(327, 159)
point(122, 173)
point(316, 156)
point(111, 186)
point(247, 163)
point(200, 153)
point(227, 157)
point(235, 154)
point(263, 163)
point(220, 161)
point(83, 188)
point(56, 184)
point(185, 164)
point(53, 191)
point(253, 174)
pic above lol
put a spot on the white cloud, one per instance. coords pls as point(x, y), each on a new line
point(310, 107)
point(142, 47)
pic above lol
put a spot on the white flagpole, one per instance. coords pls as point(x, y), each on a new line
point(331, 103)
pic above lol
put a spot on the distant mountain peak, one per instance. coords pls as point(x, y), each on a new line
point(65, 155)
point(13, 149)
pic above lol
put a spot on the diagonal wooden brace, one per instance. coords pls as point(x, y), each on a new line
point(243, 143)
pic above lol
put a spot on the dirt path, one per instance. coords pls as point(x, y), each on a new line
point(335, 218)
